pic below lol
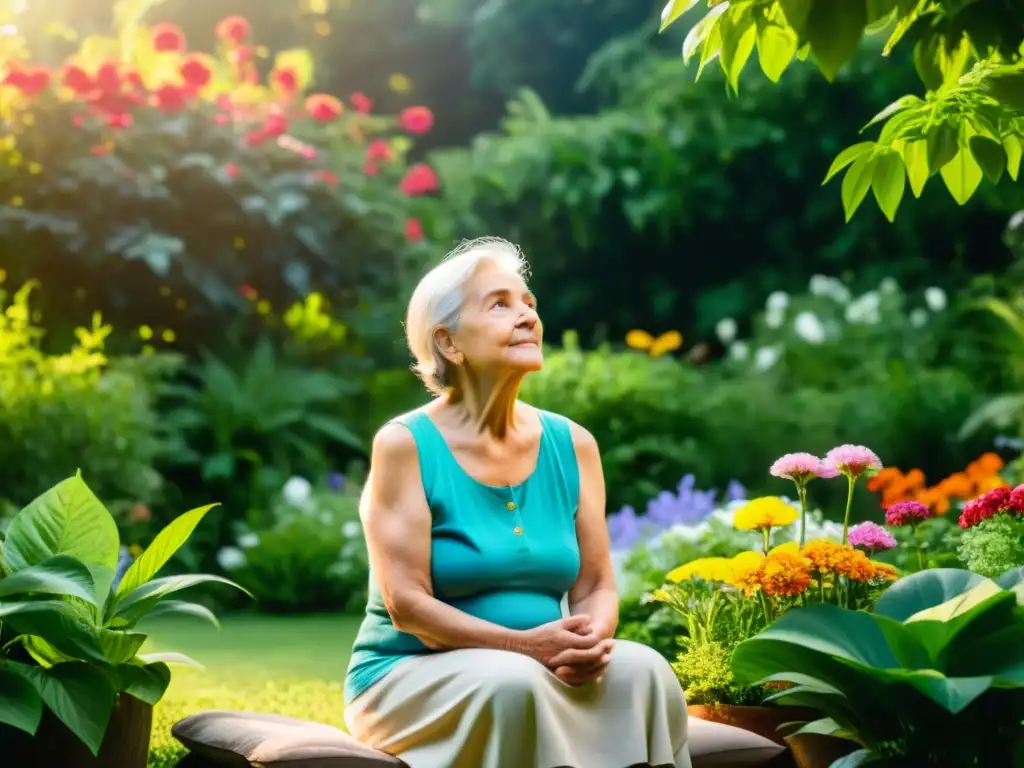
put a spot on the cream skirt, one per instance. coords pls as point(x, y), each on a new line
point(479, 708)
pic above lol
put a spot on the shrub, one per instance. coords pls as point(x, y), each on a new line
point(76, 410)
point(310, 555)
point(180, 176)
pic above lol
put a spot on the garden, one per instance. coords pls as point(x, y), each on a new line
point(777, 246)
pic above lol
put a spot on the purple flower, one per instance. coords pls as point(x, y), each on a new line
point(336, 481)
point(871, 536)
point(907, 513)
point(124, 562)
point(735, 492)
point(687, 506)
point(624, 528)
point(801, 468)
point(852, 460)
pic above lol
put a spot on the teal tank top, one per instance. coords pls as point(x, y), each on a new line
point(504, 554)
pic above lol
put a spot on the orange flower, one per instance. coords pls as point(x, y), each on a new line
point(884, 571)
point(957, 485)
point(824, 555)
point(785, 574)
point(990, 483)
point(853, 564)
point(883, 479)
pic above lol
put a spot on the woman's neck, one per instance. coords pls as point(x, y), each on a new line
point(487, 407)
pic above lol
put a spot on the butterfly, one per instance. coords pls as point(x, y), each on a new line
point(655, 347)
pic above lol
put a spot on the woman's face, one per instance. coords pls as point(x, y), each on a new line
point(499, 329)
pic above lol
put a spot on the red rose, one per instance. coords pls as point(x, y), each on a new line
point(255, 138)
point(76, 79)
point(418, 120)
point(170, 98)
point(420, 179)
point(36, 81)
point(413, 230)
point(361, 102)
point(120, 120)
point(378, 150)
point(323, 108)
point(276, 125)
point(195, 72)
point(286, 80)
point(108, 77)
point(168, 37)
point(234, 29)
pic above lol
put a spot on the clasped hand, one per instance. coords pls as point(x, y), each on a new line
point(571, 648)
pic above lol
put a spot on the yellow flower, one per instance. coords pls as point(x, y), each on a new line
point(885, 571)
point(746, 571)
point(785, 574)
point(706, 568)
point(790, 546)
point(764, 513)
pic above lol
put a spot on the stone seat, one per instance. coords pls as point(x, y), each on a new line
point(241, 739)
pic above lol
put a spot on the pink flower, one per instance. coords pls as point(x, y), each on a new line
point(907, 513)
point(801, 468)
point(871, 536)
point(986, 506)
point(852, 460)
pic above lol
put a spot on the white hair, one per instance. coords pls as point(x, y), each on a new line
point(437, 303)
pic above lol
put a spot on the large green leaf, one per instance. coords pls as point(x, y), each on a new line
point(888, 182)
point(169, 657)
point(846, 157)
point(673, 10)
point(776, 47)
point(834, 30)
point(962, 176)
point(68, 519)
point(80, 695)
point(133, 606)
point(20, 704)
point(181, 608)
point(999, 654)
point(923, 590)
point(56, 622)
point(146, 682)
point(119, 646)
point(60, 575)
point(166, 543)
point(967, 622)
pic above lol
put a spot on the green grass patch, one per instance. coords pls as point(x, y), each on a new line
point(288, 665)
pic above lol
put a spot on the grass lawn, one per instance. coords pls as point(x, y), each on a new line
point(289, 665)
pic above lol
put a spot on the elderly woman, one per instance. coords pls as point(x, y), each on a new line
point(483, 516)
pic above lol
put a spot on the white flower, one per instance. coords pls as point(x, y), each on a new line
point(766, 357)
point(918, 318)
point(809, 328)
point(840, 293)
point(739, 351)
point(820, 285)
point(888, 285)
point(351, 529)
point(248, 540)
point(725, 330)
point(773, 318)
point(297, 491)
point(777, 301)
point(230, 558)
point(935, 298)
point(864, 309)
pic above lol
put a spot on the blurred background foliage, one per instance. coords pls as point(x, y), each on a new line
point(251, 296)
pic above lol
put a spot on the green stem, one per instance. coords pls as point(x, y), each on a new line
point(917, 546)
point(802, 491)
point(767, 533)
point(851, 482)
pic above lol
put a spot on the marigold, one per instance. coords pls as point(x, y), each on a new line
point(785, 574)
point(823, 555)
point(764, 513)
point(853, 564)
point(884, 571)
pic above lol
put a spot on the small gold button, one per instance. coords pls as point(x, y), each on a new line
point(511, 505)
point(517, 531)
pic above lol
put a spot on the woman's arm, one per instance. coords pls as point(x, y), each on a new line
point(594, 592)
point(397, 522)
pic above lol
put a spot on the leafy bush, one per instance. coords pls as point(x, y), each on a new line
point(932, 677)
point(994, 546)
point(78, 409)
point(78, 649)
point(180, 176)
point(309, 556)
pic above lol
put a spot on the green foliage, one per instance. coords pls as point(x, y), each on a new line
point(930, 678)
point(993, 546)
point(311, 556)
point(75, 650)
point(967, 55)
point(76, 409)
point(180, 197)
point(705, 672)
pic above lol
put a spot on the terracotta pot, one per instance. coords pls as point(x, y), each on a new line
point(125, 745)
point(814, 750)
point(764, 721)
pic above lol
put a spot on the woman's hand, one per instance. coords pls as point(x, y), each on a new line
point(565, 642)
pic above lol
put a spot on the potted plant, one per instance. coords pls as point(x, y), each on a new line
point(74, 689)
point(932, 677)
point(725, 601)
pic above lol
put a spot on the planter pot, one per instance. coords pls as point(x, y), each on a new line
point(812, 750)
point(764, 721)
point(125, 745)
